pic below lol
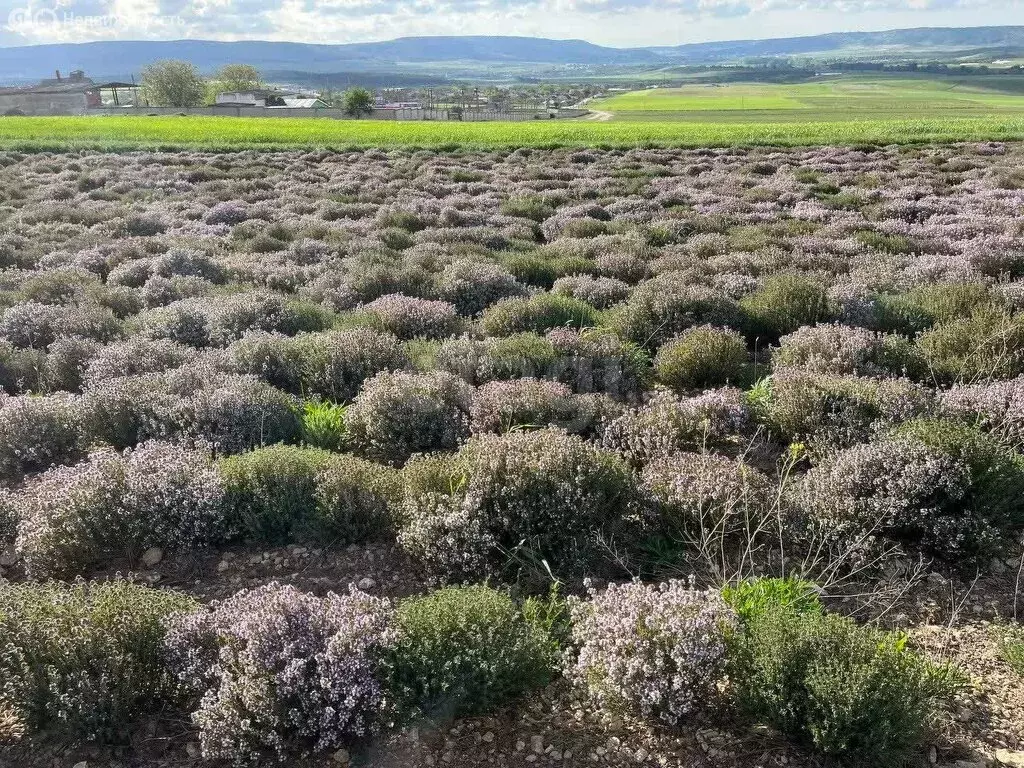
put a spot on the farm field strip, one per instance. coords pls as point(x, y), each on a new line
point(112, 133)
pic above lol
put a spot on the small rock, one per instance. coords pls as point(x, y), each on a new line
point(488, 737)
point(9, 556)
point(82, 764)
point(520, 745)
point(341, 757)
point(222, 566)
point(152, 556)
point(1008, 758)
point(933, 755)
point(366, 584)
point(192, 750)
point(537, 744)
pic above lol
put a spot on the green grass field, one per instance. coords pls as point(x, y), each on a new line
point(831, 99)
point(125, 132)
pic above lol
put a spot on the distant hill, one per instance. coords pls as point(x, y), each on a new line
point(121, 59)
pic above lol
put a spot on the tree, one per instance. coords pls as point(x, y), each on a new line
point(238, 77)
point(172, 83)
point(358, 102)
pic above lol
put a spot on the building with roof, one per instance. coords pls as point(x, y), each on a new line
point(271, 99)
point(71, 95)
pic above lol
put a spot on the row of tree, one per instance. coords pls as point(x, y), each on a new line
point(173, 83)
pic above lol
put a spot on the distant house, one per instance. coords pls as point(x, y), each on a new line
point(270, 99)
point(302, 102)
point(71, 95)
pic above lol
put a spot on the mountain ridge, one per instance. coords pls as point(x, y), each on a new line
point(29, 63)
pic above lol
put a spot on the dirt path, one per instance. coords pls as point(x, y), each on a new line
point(599, 116)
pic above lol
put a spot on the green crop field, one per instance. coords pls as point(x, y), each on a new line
point(60, 133)
point(835, 98)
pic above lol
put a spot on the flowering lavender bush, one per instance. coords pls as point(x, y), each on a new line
point(655, 651)
point(84, 660)
point(279, 672)
point(599, 292)
point(667, 424)
point(524, 495)
point(501, 406)
point(411, 318)
point(704, 497)
point(997, 407)
point(472, 286)
point(38, 432)
point(399, 414)
point(842, 350)
point(115, 506)
point(902, 489)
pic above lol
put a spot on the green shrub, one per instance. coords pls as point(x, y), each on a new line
point(538, 313)
point(270, 492)
point(465, 651)
point(528, 207)
point(783, 303)
point(323, 425)
point(1011, 647)
point(854, 694)
point(756, 598)
point(85, 660)
point(701, 358)
point(663, 308)
point(353, 500)
point(827, 411)
point(988, 344)
point(924, 306)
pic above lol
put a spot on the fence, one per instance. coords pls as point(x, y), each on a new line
point(337, 114)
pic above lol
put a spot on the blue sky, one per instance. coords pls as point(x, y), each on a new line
point(608, 22)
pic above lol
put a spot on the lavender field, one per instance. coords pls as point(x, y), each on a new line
point(555, 456)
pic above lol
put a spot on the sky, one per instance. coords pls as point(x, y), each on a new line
point(620, 23)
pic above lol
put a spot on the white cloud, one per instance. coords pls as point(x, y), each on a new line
point(614, 22)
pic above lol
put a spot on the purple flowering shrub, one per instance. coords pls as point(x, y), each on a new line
point(844, 351)
point(705, 497)
point(537, 495)
point(599, 292)
point(657, 652)
point(116, 506)
point(903, 489)
point(472, 286)
point(502, 406)
point(667, 424)
point(411, 318)
point(275, 672)
point(997, 407)
point(37, 433)
point(397, 414)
